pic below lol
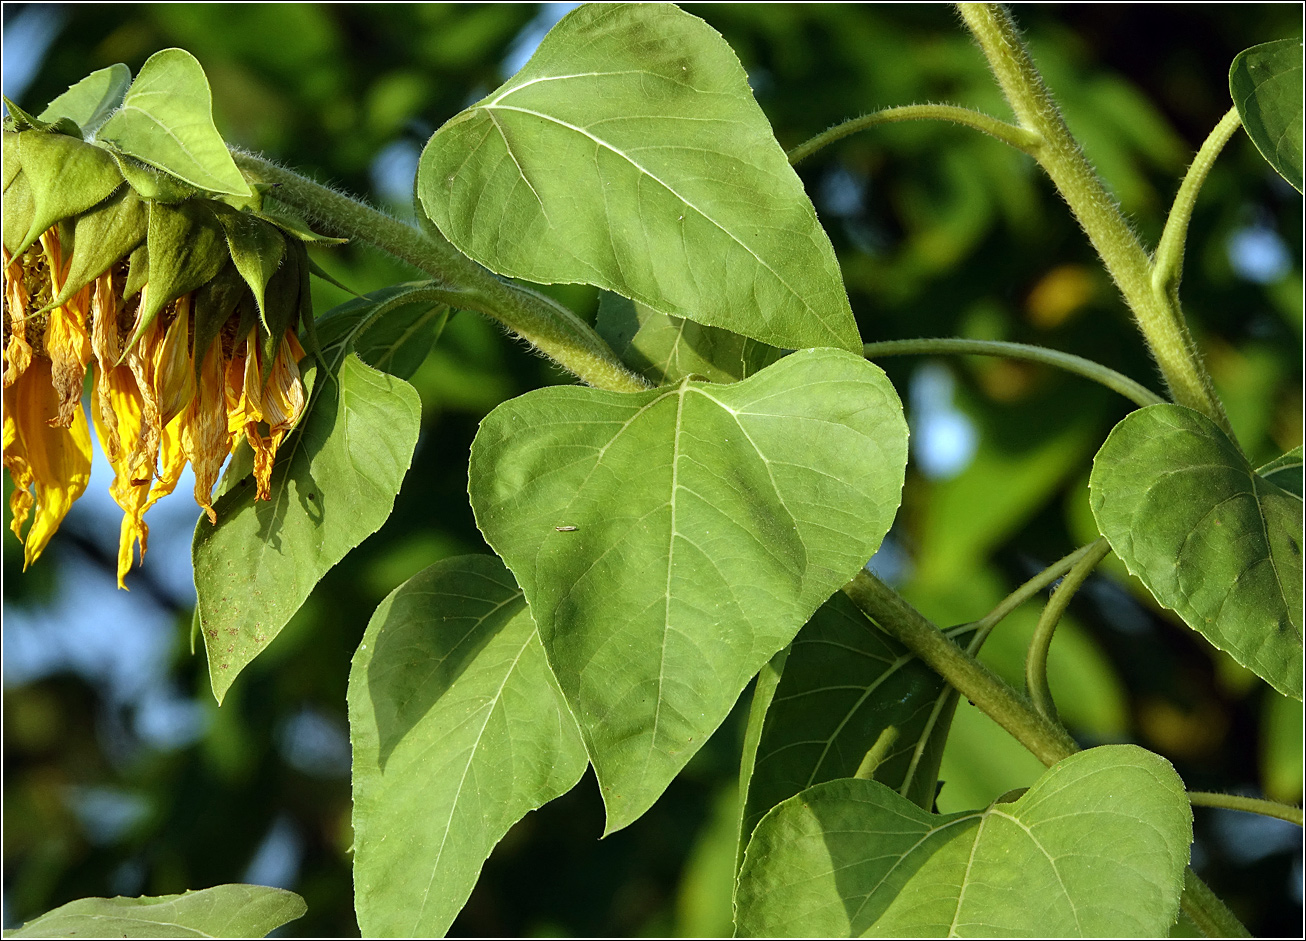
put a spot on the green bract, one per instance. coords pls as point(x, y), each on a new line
point(136, 170)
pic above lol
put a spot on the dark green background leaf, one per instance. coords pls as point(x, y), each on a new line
point(224, 911)
point(333, 485)
point(393, 329)
point(1266, 84)
point(458, 729)
point(843, 683)
point(1097, 847)
point(711, 522)
point(666, 349)
point(1211, 539)
point(1285, 471)
point(629, 153)
point(166, 120)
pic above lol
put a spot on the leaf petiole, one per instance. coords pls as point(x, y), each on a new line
point(1018, 137)
point(1104, 375)
point(1167, 265)
point(1036, 661)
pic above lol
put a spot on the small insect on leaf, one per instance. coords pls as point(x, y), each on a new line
point(566, 529)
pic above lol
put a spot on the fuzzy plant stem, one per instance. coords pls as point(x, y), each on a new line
point(1251, 805)
point(1157, 313)
point(544, 323)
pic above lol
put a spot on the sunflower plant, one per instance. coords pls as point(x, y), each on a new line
point(693, 517)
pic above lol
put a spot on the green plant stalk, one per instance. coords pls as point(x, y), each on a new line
point(1017, 137)
point(1159, 318)
point(1046, 740)
point(545, 324)
point(1208, 911)
point(1251, 805)
point(1168, 264)
point(1036, 661)
point(984, 626)
point(1116, 382)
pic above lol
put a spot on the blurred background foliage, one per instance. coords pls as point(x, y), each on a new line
point(122, 777)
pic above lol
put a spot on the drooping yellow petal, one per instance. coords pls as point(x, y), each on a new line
point(135, 496)
point(143, 460)
point(53, 461)
point(174, 371)
point(17, 351)
point(106, 343)
point(67, 343)
point(275, 405)
point(205, 436)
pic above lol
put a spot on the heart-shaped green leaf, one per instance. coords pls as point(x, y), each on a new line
point(458, 729)
point(166, 120)
point(1211, 539)
point(846, 689)
point(224, 911)
point(669, 542)
point(629, 153)
point(90, 102)
point(1266, 84)
point(666, 349)
point(1097, 847)
point(333, 485)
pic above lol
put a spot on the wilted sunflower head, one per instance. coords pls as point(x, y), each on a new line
point(183, 298)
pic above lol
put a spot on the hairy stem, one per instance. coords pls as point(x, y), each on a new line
point(1208, 911)
point(1168, 265)
point(1046, 740)
point(1036, 661)
point(547, 325)
point(1078, 365)
point(1017, 137)
point(1252, 805)
point(1158, 316)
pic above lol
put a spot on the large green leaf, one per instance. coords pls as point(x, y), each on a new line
point(458, 729)
point(333, 485)
point(670, 542)
point(1097, 847)
point(224, 911)
point(1266, 84)
point(666, 349)
point(90, 102)
point(166, 120)
point(629, 153)
point(1210, 538)
point(844, 684)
